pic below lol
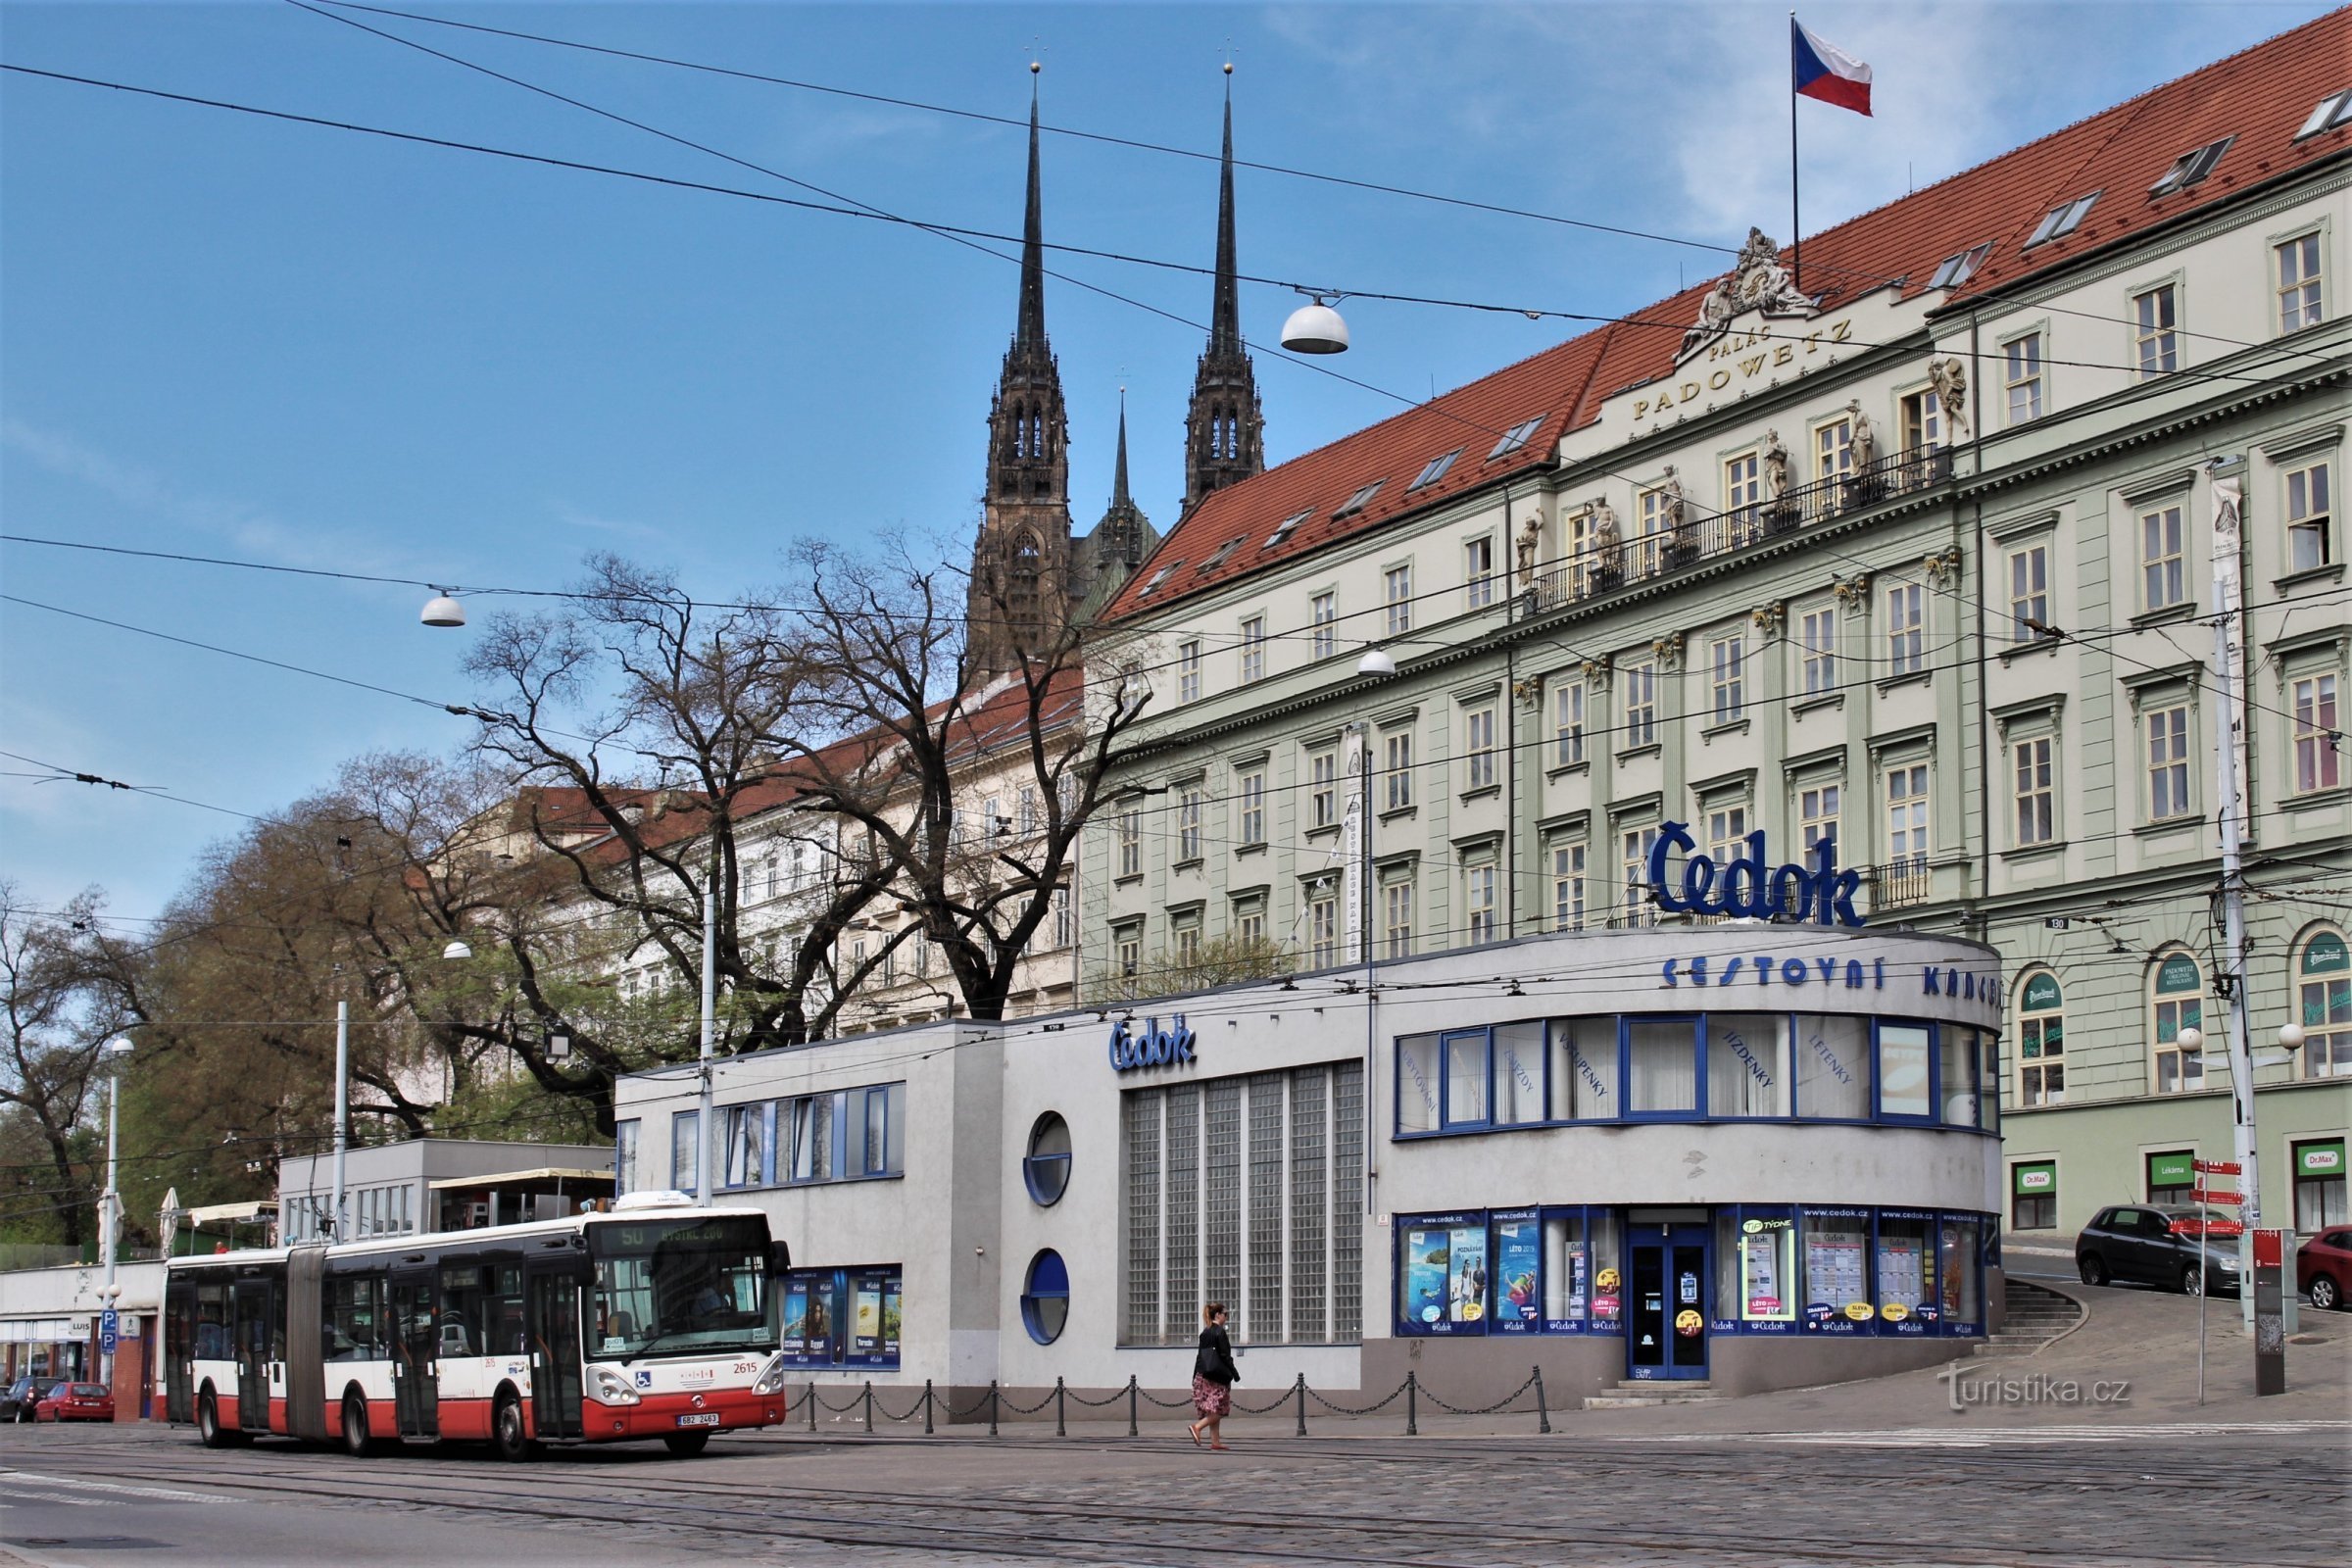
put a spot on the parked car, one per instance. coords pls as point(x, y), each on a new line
point(2324, 1267)
point(16, 1405)
point(2143, 1245)
point(75, 1401)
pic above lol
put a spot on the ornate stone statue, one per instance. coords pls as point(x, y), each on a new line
point(1673, 506)
point(1950, 378)
point(1776, 465)
point(1529, 541)
point(1863, 442)
point(1605, 531)
point(1764, 284)
point(1715, 313)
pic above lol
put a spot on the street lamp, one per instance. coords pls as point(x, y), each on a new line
point(457, 952)
point(1315, 328)
point(443, 610)
point(116, 1054)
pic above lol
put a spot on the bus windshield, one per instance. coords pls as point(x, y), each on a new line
point(680, 1286)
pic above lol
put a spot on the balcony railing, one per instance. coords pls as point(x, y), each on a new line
point(1900, 883)
point(1597, 569)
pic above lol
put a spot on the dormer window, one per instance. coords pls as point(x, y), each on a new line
point(1359, 501)
point(1958, 270)
point(1284, 530)
point(1435, 469)
point(2190, 166)
point(1515, 438)
point(2062, 219)
point(1157, 577)
point(1217, 557)
point(2333, 109)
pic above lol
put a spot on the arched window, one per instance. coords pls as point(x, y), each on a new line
point(1026, 555)
point(2324, 1006)
point(1046, 1296)
point(2041, 1035)
point(2177, 991)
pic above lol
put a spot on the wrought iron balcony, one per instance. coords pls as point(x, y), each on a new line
point(1900, 882)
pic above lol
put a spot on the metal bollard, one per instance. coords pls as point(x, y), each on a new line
point(1131, 1404)
point(926, 1407)
point(1412, 1399)
point(813, 1405)
point(992, 1407)
point(1302, 1405)
point(1062, 1428)
point(869, 1407)
point(1542, 1412)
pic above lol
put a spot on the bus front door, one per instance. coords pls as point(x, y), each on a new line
point(555, 1328)
point(416, 1347)
point(253, 1335)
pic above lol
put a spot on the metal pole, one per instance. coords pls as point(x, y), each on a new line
point(1542, 1411)
point(1131, 1404)
point(869, 1407)
point(108, 1202)
point(1412, 1405)
point(2229, 648)
point(342, 1110)
point(1062, 1428)
point(2204, 1230)
point(1796, 262)
point(1302, 1432)
point(992, 1407)
point(706, 1139)
point(1371, 1008)
point(926, 1407)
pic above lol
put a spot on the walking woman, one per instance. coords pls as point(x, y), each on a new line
point(1213, 1377)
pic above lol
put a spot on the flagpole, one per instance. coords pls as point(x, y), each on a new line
point(1796, 261)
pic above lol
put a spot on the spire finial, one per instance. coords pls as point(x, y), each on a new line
point(1118, 475)
point(1225, 313)
point(1030, 330)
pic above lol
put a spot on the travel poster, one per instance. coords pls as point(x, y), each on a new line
point(1466, 1274)
point(1425, 1260)
point(866, 1319)
point(1518, 1263)
point(796, 1318)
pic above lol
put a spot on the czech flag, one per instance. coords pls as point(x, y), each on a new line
point(1828, 73)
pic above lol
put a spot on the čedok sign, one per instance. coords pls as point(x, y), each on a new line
point(1750, 886)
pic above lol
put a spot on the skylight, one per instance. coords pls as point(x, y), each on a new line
point(1158, 577)
point(1958, 270)
point(1436, 469)
point(2190, 166)
point(1359, 501)
point(1284, 530)
point(2335, 109)
point(1217, 557)
point(1515, 438)
point(2062, 219)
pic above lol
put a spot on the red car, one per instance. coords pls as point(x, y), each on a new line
point(2324, 1267)
point(75, 1401)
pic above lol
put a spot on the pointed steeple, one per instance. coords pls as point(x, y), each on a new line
point(1118, 474)
point(1109, 555)
point(1030, 332)
point(1224, 430)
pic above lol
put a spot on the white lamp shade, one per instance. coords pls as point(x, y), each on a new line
point(442, 611)
point(2290, 1036)
point(2193, 1038)
point(1375, 663)
point(456, 951)
point(1315, 328)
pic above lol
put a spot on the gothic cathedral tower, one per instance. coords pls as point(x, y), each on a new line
point(1224, 431)
point(1022, 570)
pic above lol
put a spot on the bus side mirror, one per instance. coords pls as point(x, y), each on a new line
point(779, 1259)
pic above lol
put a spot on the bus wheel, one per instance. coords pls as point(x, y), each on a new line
point(355, 1427)
point(506, 1431)
point(686, 1445)
point(209, 1430)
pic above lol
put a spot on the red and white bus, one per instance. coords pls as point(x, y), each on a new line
point(657, 1320)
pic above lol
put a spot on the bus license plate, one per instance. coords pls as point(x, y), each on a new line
point(706, 1418)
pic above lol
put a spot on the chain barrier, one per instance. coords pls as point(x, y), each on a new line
point(1030, 1409)
point(1184, 1403)
point(1369, 1409)
point(1280, 1399)
point(1111, 1398)
point(1485, 1409)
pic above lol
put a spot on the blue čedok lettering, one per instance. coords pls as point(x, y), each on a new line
point(1153, 1047)
point(1748, 886)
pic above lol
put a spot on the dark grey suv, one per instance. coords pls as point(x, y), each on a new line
point(17, 1402)
point(2142, 1244)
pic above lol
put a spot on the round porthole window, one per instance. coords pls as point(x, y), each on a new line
point(1046, 1297)
point(1047, 1166)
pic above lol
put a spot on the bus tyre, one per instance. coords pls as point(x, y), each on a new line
point(355, 1427)
point(209, 1430)
point(506, 1431)
point(686, 1445)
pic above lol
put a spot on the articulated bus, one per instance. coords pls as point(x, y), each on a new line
point(656, 1320)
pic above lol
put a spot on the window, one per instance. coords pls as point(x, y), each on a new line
point(1742, 493)
point(1634, 846)
point(1958, 268)
point(1356, 502)
point(2333, 109)
point(1185, 939)
point(1727, 660)
point(1640, 685)
point(1157, 577)
point(2177, 988)
point(1515, 438)
point(1249, 918)
point(685, 1153)
point(1253, 791)
point(1834, 449)
point(2319, 746)
point(1216, 558)
point(2020, 375)
point(1398, 581)
point(2168, 762)
point(2170, 1176)
point(2319, 1183)
point(1650, 549)
point(1817, 814)
point(1127, 948)
point(807, 1121)
point(2162, 580)
point(1434, 469)
point(1130, 842)
point(1188, 823)
point(1323, 925)
point(1584, 1069)
point(1046, 1168)
point(1478, 747)
point(2309, 545)
point(1466, 1081)
point(2155, 340)
point(2034, 795)
point(1907, 816)
point(1903, 1089)
point(2190, 167)
point(1397, 746)
point(1321, 613)
point(1253, 650)
point(2034, 1195)
point(1747, 1065)
point(2062, 219)
point(1817, 650)
point(1922, 423)
point(1046, 1296)
point(1322, 788)
point(1477, 572)
point(1661, 1067)
point(1188, 673)
point(1568, 886)
point(2298, 283)
point(2040, 1040)
point(1284, 530)
point(624, 1157)
point(1479, 902)
point(1568, 722)
point(1834, 1080)
point(2323, 1007)
point(1066, 929)
point(1397, 915)
point(746, 1146)
point(1906, 629)
point(1727, 832)
point(2028, 592)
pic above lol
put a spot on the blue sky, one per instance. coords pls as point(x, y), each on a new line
point(229, 336)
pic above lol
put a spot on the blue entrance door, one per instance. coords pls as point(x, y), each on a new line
point(1666, 1317)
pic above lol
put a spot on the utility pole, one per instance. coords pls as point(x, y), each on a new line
point(110, 1202)
point(704, 1139)
point(342, 1110)
point(2229, 656)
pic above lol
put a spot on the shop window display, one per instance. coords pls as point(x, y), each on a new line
point(1837, 1244)
point(842, 1316)
point(1905, 1271)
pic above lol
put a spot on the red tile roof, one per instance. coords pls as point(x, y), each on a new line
point(2261, 96)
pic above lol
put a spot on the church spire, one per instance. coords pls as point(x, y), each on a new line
point(1224, 430)
point(1030, 332)
point(1119, 499)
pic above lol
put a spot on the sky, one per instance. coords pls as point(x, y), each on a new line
point(232, 336)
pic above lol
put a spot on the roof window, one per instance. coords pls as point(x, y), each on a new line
point(2335, 109)
point(1515, 438)
point(1436, 469)
point(2062, 219)
point(1359, 501)
point(1284, 530)
point(1216, 557)
point(2189, 168)
point(1958, 270)
point(1157, 577)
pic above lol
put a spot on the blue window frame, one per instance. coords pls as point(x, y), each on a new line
point(1903, 1272)
point(685, 1151)
point(1906, 1070)
point(1442, 1273)
point(1046, 1167)
point(1663, 1067)
point(1468, 1087)
point(624, 1157)
point(1046, 1297)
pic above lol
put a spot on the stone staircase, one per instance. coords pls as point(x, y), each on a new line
point(1633, 1393)
point(2037, 1315)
